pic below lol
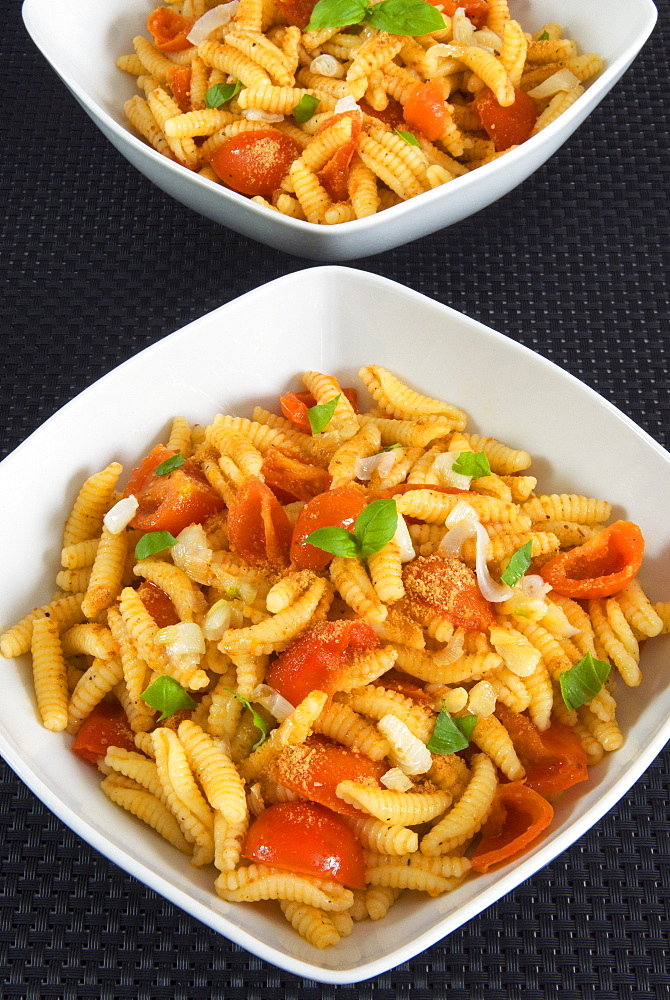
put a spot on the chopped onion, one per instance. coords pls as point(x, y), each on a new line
point(211, 20)
point(183, 639)
point(533, 585)
point(404, 540)
point(519, 655)
point(326, 65)
point(258, 115)
point(556, 621)
point(464, 523)
point(217, 620)
point(452, 651)
point(487, 39)
point(482, 699)
point(443, 467)
point(347, 103)
point(396, 779)
point(193, 554)
point(562, 79)
point(121, 514)
point(462, 27)
point(407, 751)
point(382, 463)
point(275, 703)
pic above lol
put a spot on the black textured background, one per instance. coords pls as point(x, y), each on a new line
point(96, 265)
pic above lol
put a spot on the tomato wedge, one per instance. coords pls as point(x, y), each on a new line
point(391, 115)
point(158, 604)
point(335, 174)
point(180, 85)
point(425, 110)
point(553, 760)
point(600, 567)
point(447, 586)
point(314, 768)
point(300, 480)
point(308, 839)
point(518, 817)
point(336, 508)
point(509, 126)
point(106, 726)
point(169, 29)
point(294, 406)
point(173, 501)
point(258, 528)
point(313, 661)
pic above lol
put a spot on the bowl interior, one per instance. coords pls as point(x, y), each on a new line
point(335, 320)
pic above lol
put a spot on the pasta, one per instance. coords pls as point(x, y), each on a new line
point(336, 124)
point(395, 681)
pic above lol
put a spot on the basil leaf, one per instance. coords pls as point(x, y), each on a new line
point(376, 525)
point(153, 542)
point(582, 682)
point(518, 564)
point(544, 37)
point(169, 465)
point(167, 696)
point(472, 463)
point(392, 447)
point(338, 13)
point(221, 93)
point(451, 735)
point(411, 140)
point(337, 541)
point(319, 416)
point(405, 17)
point(305, 108)
point(258, 720)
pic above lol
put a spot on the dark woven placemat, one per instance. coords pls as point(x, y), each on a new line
point(97, 264)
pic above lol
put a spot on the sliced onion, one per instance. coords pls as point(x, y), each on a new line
point(533, 585)
point(121, 514)
point(443, 466)
point(462, 27)
point(217, 620)
point(211, 20)
point(562, 79)
point(452, 651)
point(275, 703)
point(347, 103)
point(518, 654)
point(258, 115)
point(465, 523)
point(183, 639)
point(193, 554)
point(396, 779)
point(326, 65)
point(407, 751)
point(556, 621)
point(404, 540)
point(382, 463)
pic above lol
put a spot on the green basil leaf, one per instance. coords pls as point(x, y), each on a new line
point(451, 735)
point(544, 37)
point(319, 416)
point(337, 541)
point(582, 682)
point(153, 542)
point(337, 14)
point(376, 525)
point(405, 17)
point(411, 140)
point(305, 108)
point(472, 463)
point(518, 564)
point(221, 93)
point(169, 465)
point(167, 696)
point(258, 720)
point(392, 447)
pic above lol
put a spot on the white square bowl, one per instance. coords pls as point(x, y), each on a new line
point(82, 40)
point(331, 319)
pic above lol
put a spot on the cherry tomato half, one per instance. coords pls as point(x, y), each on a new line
point(253, 163)
point(158, 604)
point(106, 726)
point(336, 508)
point(308, 839)
point(601, 566)
point(173, 501)
point(314, 769)
point(508, 126)
point(258, 528)
point(300, 480)
point(447, 586)
point(170, 29)
point(425, 110)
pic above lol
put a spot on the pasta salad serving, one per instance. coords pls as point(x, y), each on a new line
point(332, 111)
point(336, 653)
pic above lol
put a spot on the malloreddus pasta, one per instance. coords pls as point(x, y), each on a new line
point(337, 655)
point(330, 112)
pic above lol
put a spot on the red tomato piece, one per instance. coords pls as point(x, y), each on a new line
point(314, 768)
point(449, 587)
point(600, 567)
point(258, 528)
point(553, 759)
point(518, 817)
point(425, 110)
point(336, 508)
point(106, 726)
point(508, 126)
point(180, 85)
point(294, 406)
point(391, 115)
point(296, 11)
point(335, 174)
point(170, 29)
point(158, 604)
point(300, 480)
point(170, 502)
point(308, 839)
point(313, 662)
point(254, 163)
point(476, 11)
